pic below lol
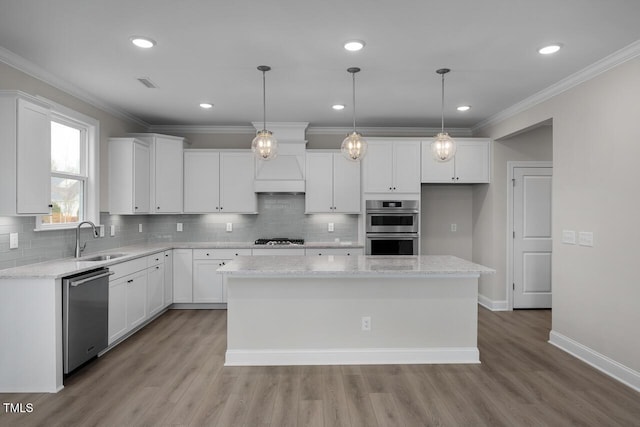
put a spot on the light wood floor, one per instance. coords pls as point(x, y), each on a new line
point(171, 373)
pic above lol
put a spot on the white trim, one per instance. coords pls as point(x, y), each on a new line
point(599, 361)
point(28, 67)
point(605, 64)
point(511, 166)
point(356, 356)
point(493, 305)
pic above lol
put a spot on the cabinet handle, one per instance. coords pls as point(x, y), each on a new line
point(319, 253)
point(207, 254)
point(130, 281)
point(390, 188)
point(51, 206)
point(348, 253)
point(166, 255)
point(136, 207)
point(457, 178)
point(157, 267)
point(236, 254)
point(157, 207)
point(220, 207)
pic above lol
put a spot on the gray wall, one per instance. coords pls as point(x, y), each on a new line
point(596, 297)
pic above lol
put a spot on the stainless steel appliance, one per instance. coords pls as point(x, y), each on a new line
point(279, 241)
point(85, 316)
point(392, 216)
point(392, 227)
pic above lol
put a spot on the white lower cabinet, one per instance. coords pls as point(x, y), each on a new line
point(155, 284)
point(136, 294)
point(207, 283)
point(182, 275)
point(168, 278)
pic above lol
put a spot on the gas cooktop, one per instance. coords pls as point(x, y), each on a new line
point(279, 241)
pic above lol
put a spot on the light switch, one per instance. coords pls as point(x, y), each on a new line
point(229, 226)
point(454, 227)
point(102, 231)
point(13, 240)
point(139, 228)
point(112, 230)
point(330, 228)
point(179, 226)
point(569, 237)
point(585, 238)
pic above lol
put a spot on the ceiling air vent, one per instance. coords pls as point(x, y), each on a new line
point(147, 82)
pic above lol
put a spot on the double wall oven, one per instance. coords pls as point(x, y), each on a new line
point(392, 227)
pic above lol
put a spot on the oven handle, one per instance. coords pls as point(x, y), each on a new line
point(392, 212)
point(392, 235)
point(75, 283)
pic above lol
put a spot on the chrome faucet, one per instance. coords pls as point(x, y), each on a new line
point(96, 234)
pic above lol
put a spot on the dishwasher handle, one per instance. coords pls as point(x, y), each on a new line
point(88, 279)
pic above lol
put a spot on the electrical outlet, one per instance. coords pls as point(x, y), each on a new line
point(330, 227)
point(229, 226)
point(179, 226)
point(112, 230)
point(13, 240)
point(139, 228)
point(102, 231)
point(454, 227)
point(366, 323)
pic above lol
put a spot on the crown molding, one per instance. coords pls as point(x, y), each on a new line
point(182, 129)
point(35, 71)
point(605, 64)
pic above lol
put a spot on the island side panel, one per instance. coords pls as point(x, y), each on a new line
point(317, 320)
point(31, 328)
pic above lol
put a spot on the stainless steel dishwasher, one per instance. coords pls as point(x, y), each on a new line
point(85, 316)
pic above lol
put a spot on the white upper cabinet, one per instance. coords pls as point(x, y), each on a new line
point(166, 172)
point(332, 183)
point(471, 164)
point(219, 181)
point(129, 176)
point(25, 163)
point(392, 166)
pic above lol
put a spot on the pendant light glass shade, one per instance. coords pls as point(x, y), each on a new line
point(354, 146)
point(264, 145)
point(443, 146)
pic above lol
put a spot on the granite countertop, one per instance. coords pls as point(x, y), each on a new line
point(57, 268)
point(425, 265)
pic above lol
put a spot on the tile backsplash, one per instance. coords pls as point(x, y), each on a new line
point(280, 215)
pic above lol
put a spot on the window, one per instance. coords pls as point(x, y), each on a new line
point(74, 167)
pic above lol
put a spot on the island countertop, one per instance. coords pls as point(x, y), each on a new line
point(322, 266)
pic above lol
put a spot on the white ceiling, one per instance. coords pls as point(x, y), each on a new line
point(208, 50)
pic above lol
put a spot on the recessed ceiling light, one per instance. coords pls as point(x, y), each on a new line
point(548, 50)
point(354, 45)
point(206, 105)
point(338, 107)
point(143, 42)
point(464, 108)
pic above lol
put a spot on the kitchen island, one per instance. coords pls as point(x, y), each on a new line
point(326, 310)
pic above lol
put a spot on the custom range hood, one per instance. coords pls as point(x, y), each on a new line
point(286, 172)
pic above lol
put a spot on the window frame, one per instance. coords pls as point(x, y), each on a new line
point(90, 128)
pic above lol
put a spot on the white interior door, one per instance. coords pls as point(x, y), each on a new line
point(532, 237)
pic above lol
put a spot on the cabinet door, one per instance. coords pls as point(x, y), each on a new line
point(207, 283)
point(33, 159)
point(201, 182)
point(117, 308)
point(318, 195)
point(406, 167)
point(378, 173)
point(141, 178)
point(434, 171)
point(472, 162)
point(155, 289)
point(346, 185)
point(236, 183)
point(168, 278)
point(136, 291)
point(182, 275)
point(167, 176)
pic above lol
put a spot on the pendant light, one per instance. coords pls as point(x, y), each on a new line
point(443, 146)
point(354, 146)
point(264, 145)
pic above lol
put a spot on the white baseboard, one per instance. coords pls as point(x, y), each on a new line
point(366, 356)
point(599, 361)
point(491, 304)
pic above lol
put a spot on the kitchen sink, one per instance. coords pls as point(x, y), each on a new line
point(105, 257)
